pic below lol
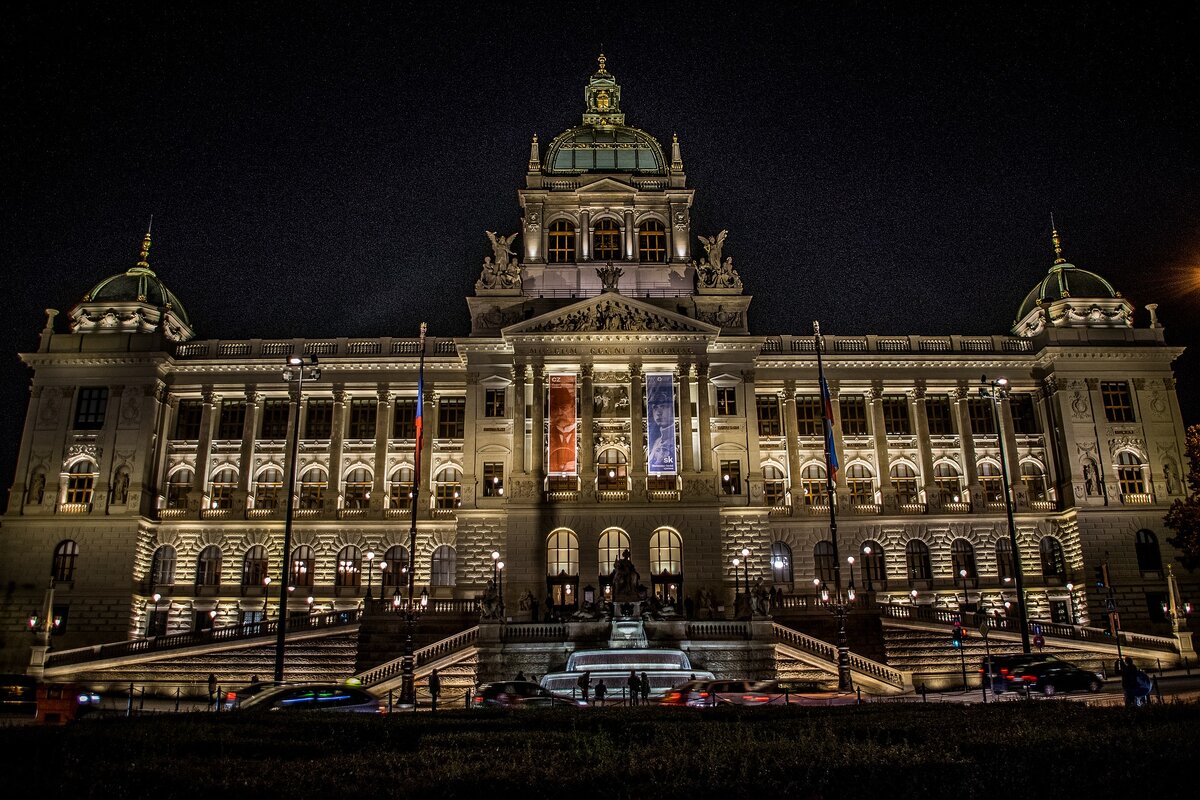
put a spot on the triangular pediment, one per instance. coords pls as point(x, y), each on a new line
point(611, 312)
point(606, 184)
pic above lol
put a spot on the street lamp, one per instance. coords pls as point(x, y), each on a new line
point(996, 391)
point(962, 573)
point(737, 562)
point(411, 609)
point(850, 588)
point(1071, 600)
point(298, 370)
point(866, 551)
point(370, 570)
point(746, 568)
point(154, 620)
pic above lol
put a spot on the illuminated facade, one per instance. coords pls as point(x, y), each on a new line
point(153, 463)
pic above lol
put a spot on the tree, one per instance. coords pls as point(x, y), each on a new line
point(1184, 515)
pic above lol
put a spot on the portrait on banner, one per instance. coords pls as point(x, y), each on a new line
point(562, 425)
point(660, 423)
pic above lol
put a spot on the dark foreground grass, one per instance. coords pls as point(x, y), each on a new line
point(1025, 750)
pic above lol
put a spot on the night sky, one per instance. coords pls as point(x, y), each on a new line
point(330, 170)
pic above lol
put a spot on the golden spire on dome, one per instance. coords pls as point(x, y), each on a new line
point(1058, 256)
point(144, 258)
point(602, 61)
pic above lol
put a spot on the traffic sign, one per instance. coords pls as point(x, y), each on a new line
point(983, 629)
point(1110, 605)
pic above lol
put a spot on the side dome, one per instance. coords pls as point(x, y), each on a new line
point(1071, 297)
point(134, 301)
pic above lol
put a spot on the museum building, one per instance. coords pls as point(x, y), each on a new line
point(611, 396)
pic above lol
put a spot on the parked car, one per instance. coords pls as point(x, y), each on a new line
point(1051, 677)
point(314, 697)
point(235, 697)
point(706, 694)
point(521, 694)
point(1003, 668)
point(24, 699)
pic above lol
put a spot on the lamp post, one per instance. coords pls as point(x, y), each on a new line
point(962, 573)
point(995, 391)
point(298, 370)
point(154, 631)
point(1071, 601)
point(408, 694)
point(370, 570)
point(866, 568)
point(746, 568)
point(737, 562)
point(850, 588)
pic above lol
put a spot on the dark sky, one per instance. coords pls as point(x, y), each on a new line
point(329, 169)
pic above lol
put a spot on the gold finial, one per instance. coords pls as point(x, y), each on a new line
point(424, 327)
point(144, 260)
point(602, 61)
point(1058, 256)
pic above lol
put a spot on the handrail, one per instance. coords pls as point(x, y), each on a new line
point(176, 641)
point(828, 652)
point(439, 649)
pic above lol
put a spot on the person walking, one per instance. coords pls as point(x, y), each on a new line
point(645, 687)
point(584, 683)
point(435, 688)
point(601, 692)
point(635, 686)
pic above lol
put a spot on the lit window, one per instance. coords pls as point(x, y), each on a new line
point(400, 487)
point(1129, 473)
point(606, 241)
point(652, 242)
point(774, 486)
point(611, 470)
point(312, 488)
point(302, 566)
point(448, 489)
point(731, 477)
point(561, 246)
point(268, 488)
point(992, 482)
point(349, 567)
point(861, 482)
point(493, 479)
point(904, 481)
point(221, 488)
point(358, 488)
point(81, 479)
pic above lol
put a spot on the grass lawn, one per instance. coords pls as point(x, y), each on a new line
point(1019, 750)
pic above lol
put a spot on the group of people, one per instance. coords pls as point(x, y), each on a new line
point(1135, 683)
point(638, 687)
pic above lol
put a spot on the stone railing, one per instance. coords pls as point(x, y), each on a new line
point(171, 513)
point(534, 632)
point(1043, 505)
point(1139, 499)
point(320, 347)
point(612, 495)
point(74, 508)
point(873, 343)
point(828, 652)
point(718, 629)
point(424, 655)
point(662, 495)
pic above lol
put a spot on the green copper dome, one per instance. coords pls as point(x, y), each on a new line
point(137, 285)
point(1066, 281)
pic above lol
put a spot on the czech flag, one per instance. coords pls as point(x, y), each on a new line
point(827, 401)
point(420, 403)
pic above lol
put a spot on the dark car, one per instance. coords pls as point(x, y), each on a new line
point(235, 697)
point(314, 697)
point(523, 694)
point(1051, 677)
point(706, 694)
point(1000, 679)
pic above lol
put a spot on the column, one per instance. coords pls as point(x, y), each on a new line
point(966, 437)
point(470, 479)
point(107, 457)
point(585, 235)
point(246, 457)
point(684, 376)
point(518, 417)
point(841, 489)
point(538, 460)
point(627, 229)
point(294, 431)
point(705, 421)
point(637, 438)
point(791, 429)
point(203, 448)
point(16, 494)
point(156, 429)
point(882, 456)
point(1019, 495)
point(333, 492)
point(753, 454)
point(383, 431)
point(429, 435)
point(587, 447)
point(1050, 441)
point(920, 415)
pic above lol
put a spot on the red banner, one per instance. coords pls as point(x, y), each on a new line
point(562, 425)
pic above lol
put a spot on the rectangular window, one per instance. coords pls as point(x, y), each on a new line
point(89, 409)
point(493, 402)
point(808, 415)
point(983, 419)
point(404, 421)
point(769, 423)
point(493, 479)
point(1118, 402)
point(896, 420)
point(232, 419)
point(731, 477)
point(452, 412)
point(318, 419)
point(938, 412)
point(726, 401)
point(1023, 414)
point(854, 415)
point(187, 420)
point(362, 418)
point(275, 419)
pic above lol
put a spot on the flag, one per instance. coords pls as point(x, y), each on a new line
point(420, 403)
point(831, 452)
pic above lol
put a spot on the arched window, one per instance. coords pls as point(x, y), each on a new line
point(904, 480)
point(178, 486)
point(562, 553)
point(774, 486)
point(652, 242)
point(861, 482)
point(268, 487)
point(1054, 565)
point(991, 481)
point(612, 543)
point(666, 552)
point(874, 564)
point(1004, 560)
point(824, 561)
point(448, 489)
point(63, 568)
point(254, 567)
point(947, 478)
point(162, 567)
point(813, 479)
point(561, 245)
point(916, 557)
point(781, 563)
point(1034, 479)
point(606, 241)
point(1129, 473)
point(358, 488)
point(611, 470)
point(208, 567)
point(303, 566)
point(81, 479)
point(1149, 557)
point(349, 567)
point(962, 558)
point(221, 488)
point(400, 487)
point(394, 570)
point(442, 566)
point(312, 488)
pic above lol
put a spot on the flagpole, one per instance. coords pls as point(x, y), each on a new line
point(845, 683)
point(407, 687)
